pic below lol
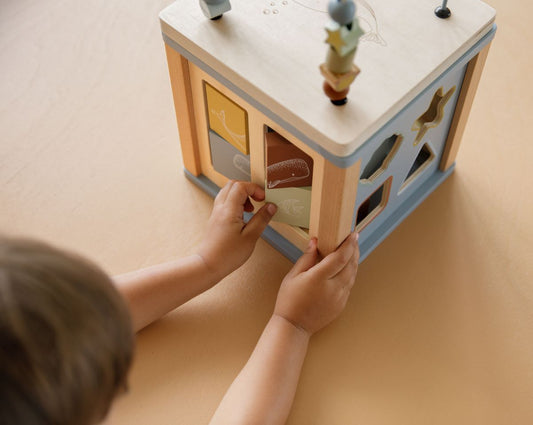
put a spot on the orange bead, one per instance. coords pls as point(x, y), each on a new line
point(336, 97)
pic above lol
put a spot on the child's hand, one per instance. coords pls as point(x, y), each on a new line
point(230, 241)
point(312, 295)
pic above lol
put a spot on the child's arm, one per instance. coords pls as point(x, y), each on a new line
point(154, 291)
point(310, 297)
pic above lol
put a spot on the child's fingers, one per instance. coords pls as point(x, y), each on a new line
point(248, 206)
point(223, 193)
point(259, 221)
point(259, 193)
point(351, 267)
point(336, 261)
point(357, 251)
point(308, 259)
point(240, 191)
point(346, 277)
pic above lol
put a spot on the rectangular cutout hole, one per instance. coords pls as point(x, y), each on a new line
point(288, 179)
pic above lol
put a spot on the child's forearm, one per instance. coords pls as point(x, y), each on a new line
point(264, 390)
point(154, 291)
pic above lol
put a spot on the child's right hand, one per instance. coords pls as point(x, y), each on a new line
point(314, 293)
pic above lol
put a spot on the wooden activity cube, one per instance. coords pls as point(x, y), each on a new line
point(253, 76)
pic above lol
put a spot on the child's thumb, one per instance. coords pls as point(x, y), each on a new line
point(259, 221)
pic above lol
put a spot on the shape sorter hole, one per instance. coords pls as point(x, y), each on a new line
point(288, 179)
point(381, 158)
point(433, 116)
point(422, 160)
point(373, 205)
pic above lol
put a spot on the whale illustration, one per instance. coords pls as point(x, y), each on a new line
point(287, 171)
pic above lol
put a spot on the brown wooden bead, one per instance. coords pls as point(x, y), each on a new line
point(334, 95)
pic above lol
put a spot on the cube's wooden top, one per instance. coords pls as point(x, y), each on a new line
point(272, 49)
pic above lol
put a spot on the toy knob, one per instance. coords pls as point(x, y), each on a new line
point(341, 11)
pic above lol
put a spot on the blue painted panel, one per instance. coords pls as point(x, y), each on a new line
point(407, 153)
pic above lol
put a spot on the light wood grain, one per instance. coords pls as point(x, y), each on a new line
point(417, 48)
point(257, 152)
point(462, 110)
point(197, 88)
point(333, 203)
point(299, 237)
point(178, 68)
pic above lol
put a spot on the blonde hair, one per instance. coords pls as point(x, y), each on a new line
point(66, 338)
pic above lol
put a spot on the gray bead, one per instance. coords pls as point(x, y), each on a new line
point(341, 12)
point(213, 9)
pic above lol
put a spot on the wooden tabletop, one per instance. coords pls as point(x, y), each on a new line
point(439, 327)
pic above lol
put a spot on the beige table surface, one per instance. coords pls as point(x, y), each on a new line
point(439, 327)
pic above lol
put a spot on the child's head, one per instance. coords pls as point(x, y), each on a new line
point(66, 339)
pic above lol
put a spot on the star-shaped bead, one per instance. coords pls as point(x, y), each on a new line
point(342, 39)
point(334, 36)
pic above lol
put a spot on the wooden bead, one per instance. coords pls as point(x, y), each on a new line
point(342, 38)
point(339, 82)
point(339, 64)
point(335, 96)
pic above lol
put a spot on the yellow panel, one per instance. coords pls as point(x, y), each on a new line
point(227, 119)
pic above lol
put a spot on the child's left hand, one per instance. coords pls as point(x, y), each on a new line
point(230, 241)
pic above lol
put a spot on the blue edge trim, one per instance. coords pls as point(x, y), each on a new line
point(274, 238)
point(293, 253)
point(341, 162)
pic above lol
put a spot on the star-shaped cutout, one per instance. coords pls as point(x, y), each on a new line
point(433, 116)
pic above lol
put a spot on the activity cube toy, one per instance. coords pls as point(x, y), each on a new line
point(249, 97)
